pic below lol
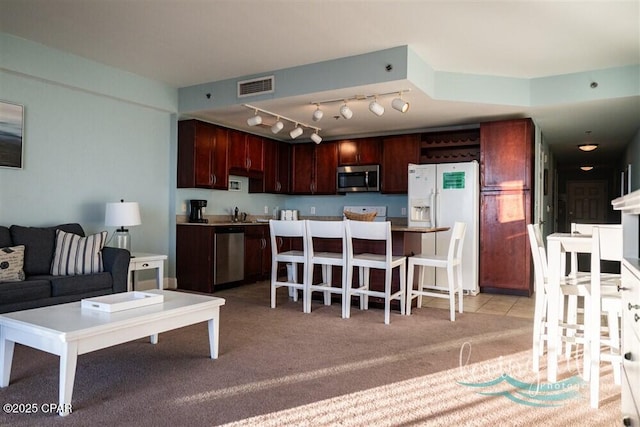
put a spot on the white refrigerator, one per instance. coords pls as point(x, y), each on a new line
point(438, 196)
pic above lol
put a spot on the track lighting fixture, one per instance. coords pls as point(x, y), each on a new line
point(317, 115)
point(376, 108)
point(255, 120)
point(400, 104)
point(345, 111)
point(277, 126)
point(296, 132)
point(316, 138)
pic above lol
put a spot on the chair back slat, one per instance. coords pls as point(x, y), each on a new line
point(325, 230)
point(457, 239)
point(368, 230)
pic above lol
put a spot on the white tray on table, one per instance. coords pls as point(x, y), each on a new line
point(122, 301)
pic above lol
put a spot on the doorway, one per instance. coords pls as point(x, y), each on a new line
point(587, 202)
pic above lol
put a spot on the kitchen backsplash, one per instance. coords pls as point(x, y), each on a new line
point(221, 203)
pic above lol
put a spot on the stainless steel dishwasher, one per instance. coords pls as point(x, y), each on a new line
point(228, 249)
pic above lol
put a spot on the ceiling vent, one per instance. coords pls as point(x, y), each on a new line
point(257, 86)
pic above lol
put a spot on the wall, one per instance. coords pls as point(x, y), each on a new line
point(632, 157)
point(92, 134)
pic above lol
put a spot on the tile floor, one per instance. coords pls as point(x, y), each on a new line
point(507, 305)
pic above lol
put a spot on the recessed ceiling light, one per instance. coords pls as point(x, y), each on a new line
point(586, 168)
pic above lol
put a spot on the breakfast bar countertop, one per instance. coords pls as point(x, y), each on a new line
point(406, 228)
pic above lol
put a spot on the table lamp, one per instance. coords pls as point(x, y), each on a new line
point(122, 214)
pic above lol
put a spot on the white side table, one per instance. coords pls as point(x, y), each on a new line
point(145, 261)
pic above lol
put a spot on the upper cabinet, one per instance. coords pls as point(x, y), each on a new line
point(362, 151)
point(246, 154)
point(313, 168)
point(277, 167)
point(506, 155)
point(397, 153)
point(202, 155)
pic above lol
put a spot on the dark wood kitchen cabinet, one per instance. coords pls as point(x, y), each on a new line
point(257, 261)
point(313, 168)
point(277, 167)
point(202, 155)
point(397, 153)
point(361, 151)
point(506, 155)
point(506, 169)
point(505, 254)
point(195, 257)
point(246, 154)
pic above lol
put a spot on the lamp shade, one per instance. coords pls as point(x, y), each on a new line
point(122, 214)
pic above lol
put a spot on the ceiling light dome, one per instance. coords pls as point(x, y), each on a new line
point(588, 147)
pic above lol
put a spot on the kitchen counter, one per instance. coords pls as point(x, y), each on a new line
point(225, 224)
point(394, 228)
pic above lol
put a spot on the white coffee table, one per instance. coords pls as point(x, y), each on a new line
point(69, 330)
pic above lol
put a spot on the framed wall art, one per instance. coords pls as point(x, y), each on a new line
point(11, 134)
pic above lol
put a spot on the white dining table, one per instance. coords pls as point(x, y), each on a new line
point(558, 244)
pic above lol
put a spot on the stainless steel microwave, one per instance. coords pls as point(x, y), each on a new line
point(358, 178)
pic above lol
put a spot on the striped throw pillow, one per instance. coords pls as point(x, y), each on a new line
point(75, 255)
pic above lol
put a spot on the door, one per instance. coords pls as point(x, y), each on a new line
point(587, 202)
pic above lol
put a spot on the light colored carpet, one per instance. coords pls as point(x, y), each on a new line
point(282, 367)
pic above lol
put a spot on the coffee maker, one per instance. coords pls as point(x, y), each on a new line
point(196, 211)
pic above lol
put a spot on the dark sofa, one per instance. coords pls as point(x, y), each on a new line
point(40, 288)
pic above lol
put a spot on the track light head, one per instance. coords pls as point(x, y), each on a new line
point(316, 138)
point(317, 115)
point(400, 104)
point(376, 108)
point(255, 120)
point(346, 112)
point(277, 126)
point(295, 132)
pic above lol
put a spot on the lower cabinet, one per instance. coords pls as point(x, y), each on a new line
point(257, 250)
point(196, 256)
point(505, 254)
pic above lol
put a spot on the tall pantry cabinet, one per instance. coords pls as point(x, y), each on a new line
point(506, 179)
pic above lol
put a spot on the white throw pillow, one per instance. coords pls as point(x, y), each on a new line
point(75, 255)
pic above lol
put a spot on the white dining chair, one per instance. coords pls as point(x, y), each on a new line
point(538, 254)
point(373, 232)
point(569, 330)
point(331, 232)
point(452, 262)
point(606, 279)
point(280, 253)
point(606, 246)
